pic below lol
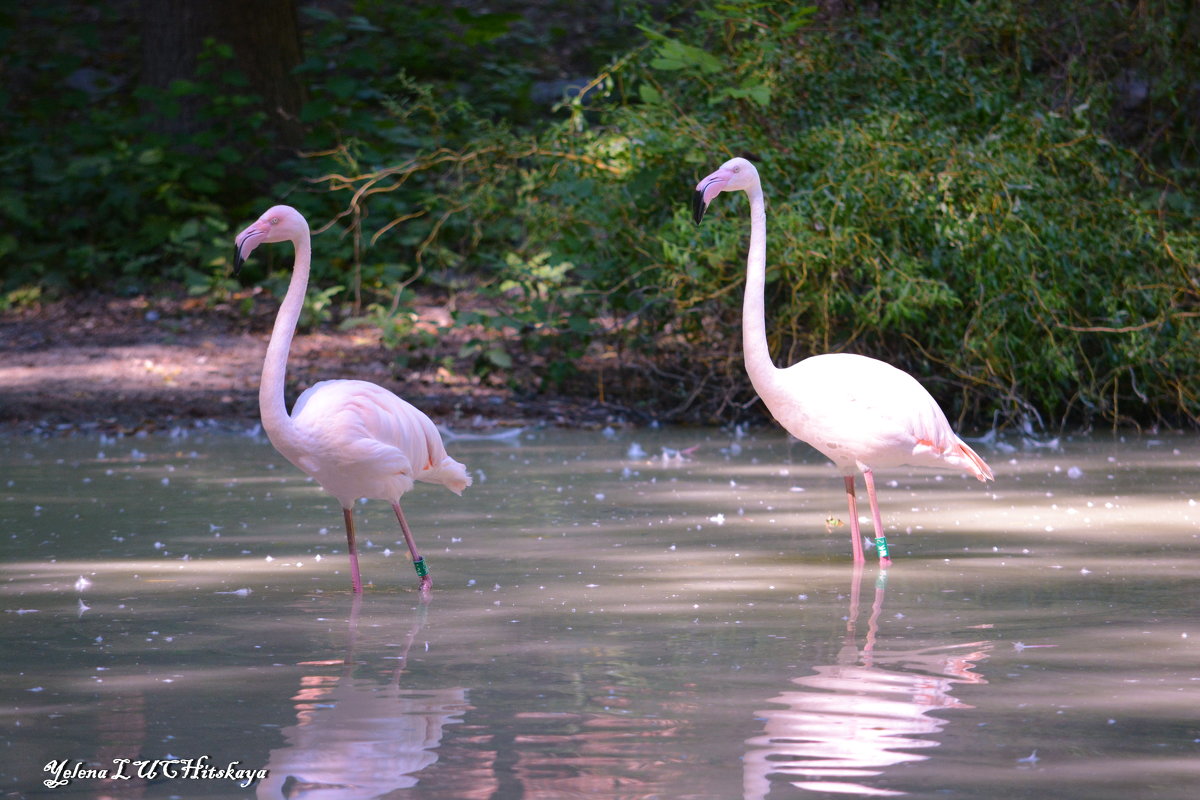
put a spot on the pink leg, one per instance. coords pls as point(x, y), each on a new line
point(355, 577)
point(855, 533)
point(869, 480)
point(418, 561)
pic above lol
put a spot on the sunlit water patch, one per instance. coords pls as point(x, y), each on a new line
point(623, 614)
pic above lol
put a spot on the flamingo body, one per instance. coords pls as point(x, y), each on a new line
point(863, 413)
point(360, 440)
point(356, 439)
point(860, 412)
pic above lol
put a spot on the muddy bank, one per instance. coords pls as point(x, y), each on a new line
point(108, 363)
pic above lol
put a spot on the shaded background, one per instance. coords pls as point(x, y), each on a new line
point(997, 196)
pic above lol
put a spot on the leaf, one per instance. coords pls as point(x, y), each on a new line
point(649, 94)
point(675, 55)
point(150, 156)
point(499, 358)
point(803, 16)
point(759, 94)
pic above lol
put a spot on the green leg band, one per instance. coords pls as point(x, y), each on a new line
point(881, 545)
point(419, 566)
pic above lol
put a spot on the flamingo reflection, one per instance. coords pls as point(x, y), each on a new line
point(854, 719)
point(356, 738)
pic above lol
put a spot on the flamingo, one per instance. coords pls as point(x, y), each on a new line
point(861, 413)
point(355, 438)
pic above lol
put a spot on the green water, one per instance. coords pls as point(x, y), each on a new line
point(609, 619)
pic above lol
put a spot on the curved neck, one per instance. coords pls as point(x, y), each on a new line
point(271, 405)
point(754, 323)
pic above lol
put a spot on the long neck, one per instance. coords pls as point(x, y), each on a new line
point(754, 323)
point(275, 419)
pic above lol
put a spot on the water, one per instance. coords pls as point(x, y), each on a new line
point(611, 618)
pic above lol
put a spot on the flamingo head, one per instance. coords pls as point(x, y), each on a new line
point(278, 224)
point(735, 175)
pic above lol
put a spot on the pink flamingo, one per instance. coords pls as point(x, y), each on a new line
point(355, 438)
point(861, 413)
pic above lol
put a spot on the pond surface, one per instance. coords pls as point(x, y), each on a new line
point(611, 618)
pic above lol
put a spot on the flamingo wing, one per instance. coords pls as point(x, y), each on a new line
point(361, 440)
point(864, 413)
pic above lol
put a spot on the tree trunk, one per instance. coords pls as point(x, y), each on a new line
point(265, 37)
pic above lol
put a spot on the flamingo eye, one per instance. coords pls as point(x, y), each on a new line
point(274, 220)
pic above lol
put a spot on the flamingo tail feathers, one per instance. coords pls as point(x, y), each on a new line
point(448, 473)
point(976, 465)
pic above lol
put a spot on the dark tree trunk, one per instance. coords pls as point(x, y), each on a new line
point(264, 35)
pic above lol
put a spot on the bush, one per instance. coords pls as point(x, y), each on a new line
point(998, 196)
point(935, 200)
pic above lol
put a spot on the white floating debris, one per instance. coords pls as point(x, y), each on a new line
point(1074, 473)
point(635, 451)
point(82, 583)
point(239, 592)
point(719, 519)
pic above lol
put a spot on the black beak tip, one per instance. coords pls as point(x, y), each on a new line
point(237, 260)
point(698, 206)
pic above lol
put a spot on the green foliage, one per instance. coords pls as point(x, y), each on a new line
point(999, 196)
point(933, 201)
point(118, 202)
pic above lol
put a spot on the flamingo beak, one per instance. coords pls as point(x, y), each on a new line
point(237, 260)
point(245, 243)
point(698, 206)
point(706, 190)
